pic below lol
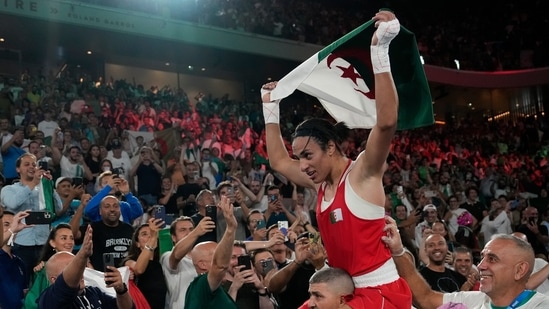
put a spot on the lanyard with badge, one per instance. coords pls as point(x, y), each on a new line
point(520, 298)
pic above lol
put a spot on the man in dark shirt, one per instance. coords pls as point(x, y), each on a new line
point(536, 233)
point(439, 277)
point(67, 290)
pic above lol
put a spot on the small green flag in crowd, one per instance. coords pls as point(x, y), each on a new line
point(341, 77)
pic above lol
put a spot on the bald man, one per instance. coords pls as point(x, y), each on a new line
point(65, 272)
point(330, 288)
point(506, 265)
point(212, 262)
point(440, 277)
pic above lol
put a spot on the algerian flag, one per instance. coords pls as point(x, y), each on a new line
point(45, 196)
point(341, 77)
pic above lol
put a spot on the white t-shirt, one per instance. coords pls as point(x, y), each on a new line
point(69, 169)
point(544, 286)
point(124, 163)
point(479, 300)
point(48, 127)
point(177, 280)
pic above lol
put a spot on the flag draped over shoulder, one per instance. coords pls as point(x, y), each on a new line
point(341, 77)
point(45, 196)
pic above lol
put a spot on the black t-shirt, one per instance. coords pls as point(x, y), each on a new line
point(153, 285)
point(246, 298)
point(149, 180)
point(477, 210)
point(447, 282)
point(297, 289)
point(106, 239)
point(184, 191)
point(538, 246)
point(171, 205)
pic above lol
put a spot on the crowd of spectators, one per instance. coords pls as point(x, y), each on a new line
point(482, 36)
point(465, 174)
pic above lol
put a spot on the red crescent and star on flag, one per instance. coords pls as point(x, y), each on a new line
point(350, 72)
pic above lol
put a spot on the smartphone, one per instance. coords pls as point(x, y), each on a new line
point(77, 181)
point(283, 227)
point(272, 198)
point(38, 218)
point(244, 260)
point(108, 260)
point(159, 212)
point(450, 247)
point(430, 193)
point(117, 172)
point(261, 224)
point(267, 266)
point(230, 191)
point(211, 211)
point(43, 165)
point(400, 190)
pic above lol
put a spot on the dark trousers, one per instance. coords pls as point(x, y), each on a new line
point(29, 255)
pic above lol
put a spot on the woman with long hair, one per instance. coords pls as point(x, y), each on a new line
point(93, 160)
point(60, 239)
point(144, 261)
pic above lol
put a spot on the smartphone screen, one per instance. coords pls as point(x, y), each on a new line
point(283, 227)
point(261, 224)
point(43, 165)
point(77, 181)
point(244, 260)
point(211, 211)
point(108, 260)
point(267, 266)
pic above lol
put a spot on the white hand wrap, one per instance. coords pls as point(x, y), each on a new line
point(271, 110)
point(386, 32)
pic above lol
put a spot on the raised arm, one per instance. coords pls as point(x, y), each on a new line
point(185, 245)
point(423, 296)
point(279, 158)
point(372, 161)
point(222, 254)
point(140, 265)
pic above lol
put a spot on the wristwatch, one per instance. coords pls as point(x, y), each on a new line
point(124, 291)
point(266, 293)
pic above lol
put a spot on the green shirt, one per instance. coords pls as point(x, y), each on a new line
point(199, 296)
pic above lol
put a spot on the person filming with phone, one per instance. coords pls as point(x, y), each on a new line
point(65, 272)
point(276, 211)
point(242, 282)
point(24, 195)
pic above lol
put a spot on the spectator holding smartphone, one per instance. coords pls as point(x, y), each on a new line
point(112, 184)
point(24, 195)
point(243, 283)
point(144, 260)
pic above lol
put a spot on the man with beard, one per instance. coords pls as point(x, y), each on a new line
point(439, 277)
point(24, 195)
point(110, 234)
point(110, 184)
point(72, 165)
point(11, 151)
